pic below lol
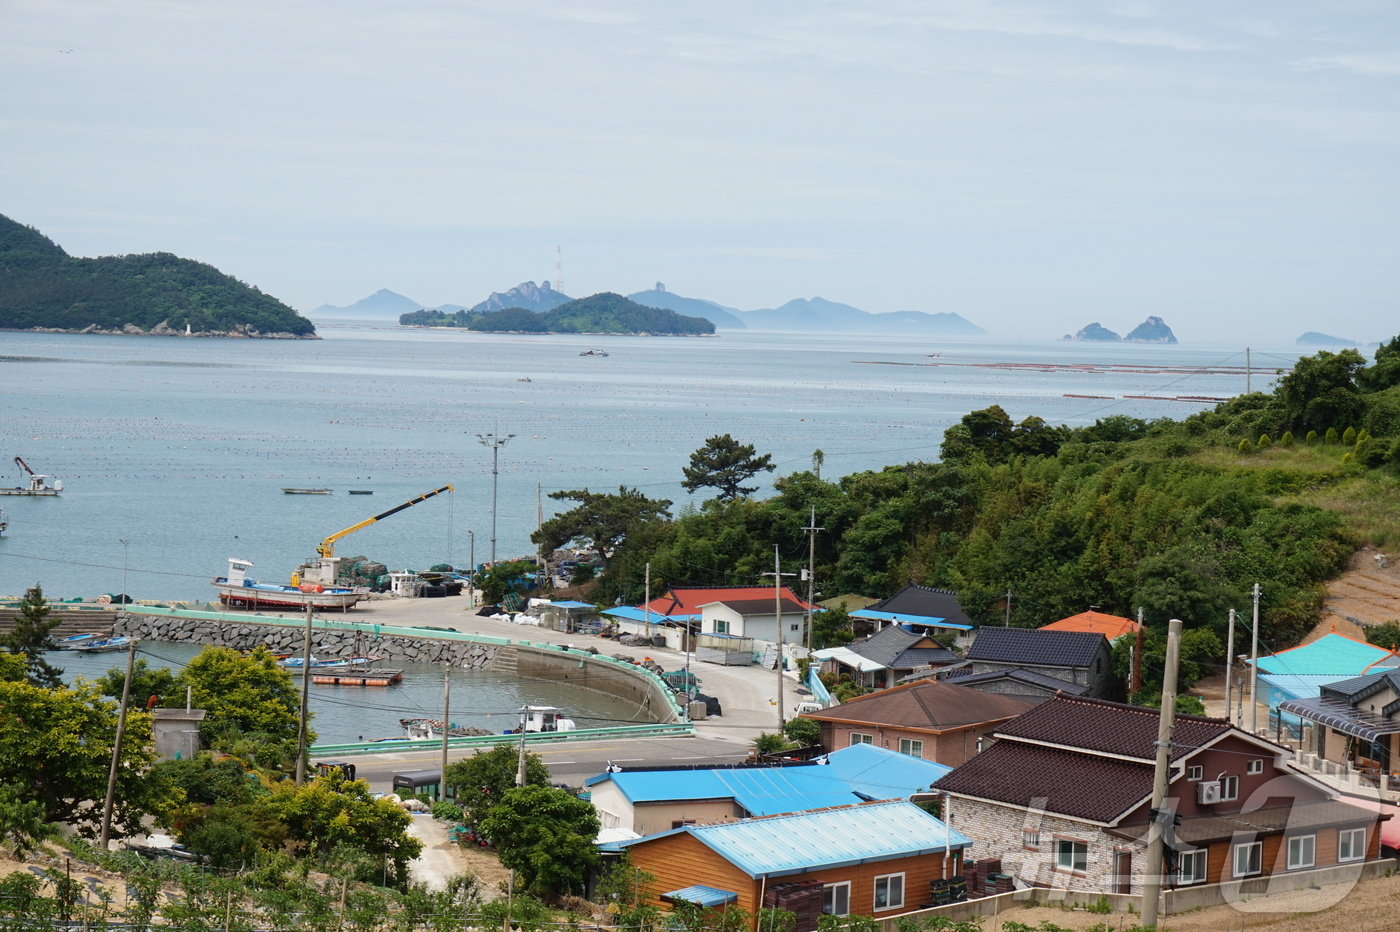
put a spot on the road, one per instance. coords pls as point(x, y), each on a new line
point(748, 698)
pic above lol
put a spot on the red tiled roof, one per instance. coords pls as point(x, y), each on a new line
point(1110, 626)
point(1103, 727)
point(930, 706)
point(1070, 783)
point(687, 600)
point(761, 606)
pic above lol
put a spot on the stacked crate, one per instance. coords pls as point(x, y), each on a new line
point(802, 898)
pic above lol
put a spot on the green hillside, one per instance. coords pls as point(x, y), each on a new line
point(42, 287)
point(599, 313)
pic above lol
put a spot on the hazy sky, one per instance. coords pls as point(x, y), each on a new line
point(1232, 167)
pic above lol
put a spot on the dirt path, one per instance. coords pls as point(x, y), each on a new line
point(1368, 593)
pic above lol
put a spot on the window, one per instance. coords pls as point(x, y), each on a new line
point(721, 627)
point(1194, 772)
point(1302, 850)
point(1230, 787)
point(912, 748)
point(1072, 856)
point(1255, 766)
point(1351, 844)
point(889, 891)
point(682, 822)
point(836, 899)
point(858, 738)
point(1191, 867)
point(792, 627)
point(1248, 857)
point(1030, 837)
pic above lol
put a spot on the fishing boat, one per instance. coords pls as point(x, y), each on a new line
point(35, 483)
point(74, 641)
point(593, 352)
point(4, 522)
point(238, 588)
point(308, 491)
point(426, 729)
point(362, 491)
point(296, 664)
point(105, 645)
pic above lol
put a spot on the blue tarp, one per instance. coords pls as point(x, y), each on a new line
point(902, 618)
point(636, 614)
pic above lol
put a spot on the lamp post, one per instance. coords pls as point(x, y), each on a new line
point(124, 542)
point(471, 596)
point(495, 442)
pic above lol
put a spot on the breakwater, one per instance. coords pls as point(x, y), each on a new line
point(654, 701)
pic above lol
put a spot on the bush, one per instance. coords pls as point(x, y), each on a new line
point(770, 743)
point(1245, 446)
point(1265, 442)
point(1332, 438)
point(1287, 439)
point(447, 812)
point(1349, 437)
point(804, 731)
point(1311, 439)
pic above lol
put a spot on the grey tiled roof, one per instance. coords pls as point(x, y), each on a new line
point(1029, 677)
point(1035, 646)
point(923, 600)
point(894, 647)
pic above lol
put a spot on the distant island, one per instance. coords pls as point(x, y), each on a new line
point(1313, 338)
point(599, 313)
point(1151, 330)
point(43, 288)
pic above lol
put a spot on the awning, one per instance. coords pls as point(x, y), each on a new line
point(848, 657)
point(631, 613)
point(901, 618)
point(1342, 717)
point(701, 895)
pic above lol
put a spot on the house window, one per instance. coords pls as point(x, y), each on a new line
point(1072, 856)
point(721, 627)
point(1248, 858)
point(1255, 766)
point(1194, 772)
point(1351, 844)
point(1302, 850)
point(910, 747)
point(859, 738)
point(889, 891)
point(792, 627)
point(1191, 867)
point(836, 899)
point(1230, 787)
point(1030, 838)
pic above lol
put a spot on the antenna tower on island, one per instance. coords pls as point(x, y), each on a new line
point(559, 269)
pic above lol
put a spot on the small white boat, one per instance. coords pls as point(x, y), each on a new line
point(74, 641)
point(104, 645)
point(331, 663)
point(238, 588)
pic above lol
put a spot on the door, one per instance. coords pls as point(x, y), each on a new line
point(1123, 871)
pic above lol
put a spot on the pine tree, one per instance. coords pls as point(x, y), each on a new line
point(31, 636)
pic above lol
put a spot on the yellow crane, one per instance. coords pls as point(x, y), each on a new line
point(327, 548)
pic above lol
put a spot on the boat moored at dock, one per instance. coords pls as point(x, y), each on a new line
point(238, 588)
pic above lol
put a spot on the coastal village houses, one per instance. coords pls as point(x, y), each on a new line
point(1080, 658)
point(1063, 798)
point(749, 614)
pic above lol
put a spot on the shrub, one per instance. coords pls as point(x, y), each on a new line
point(1311, 439)
point(1287, 439)
point(1265, 442)
point(1245, 446)
point(1349, 436)
point(1332, 438)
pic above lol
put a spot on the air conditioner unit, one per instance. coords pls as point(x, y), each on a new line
point(1208, 792)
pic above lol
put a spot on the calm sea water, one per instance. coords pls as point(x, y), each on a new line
point(173, 452)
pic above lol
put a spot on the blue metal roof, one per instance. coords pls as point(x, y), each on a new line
point(572, 604)
point(1334, 655)
point(807, 841)
point(702, 895)
point(879, 773)
point(637, 614)
point(907, 619)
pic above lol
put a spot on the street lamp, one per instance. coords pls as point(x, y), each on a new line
point(495, 443)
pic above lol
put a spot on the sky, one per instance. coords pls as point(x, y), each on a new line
point(1231, 167)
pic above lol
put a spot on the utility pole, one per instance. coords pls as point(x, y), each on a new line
point(778, 623)
point(1248, 371)
point(471, 595)
point(446, 724)
point(811, 530)
point(520, 766)
point(1008, 608)
point(495, 442)
point(1254, 668)
point(1229, 666)
point(1139, 642)
point(1152, 879)
point(110, 799)
point(647, 594)
point(305, 698)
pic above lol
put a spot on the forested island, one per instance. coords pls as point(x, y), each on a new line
point(44, 288)
point(600, 313)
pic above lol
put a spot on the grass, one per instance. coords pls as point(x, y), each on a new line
point(1368, 503)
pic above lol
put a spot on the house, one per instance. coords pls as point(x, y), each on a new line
point(1064, 796)
point(1019, 684)
point(1354, 722)
point(1093, 621)
point(936, 721)
point(891, 653)
point(745, 613)
point(1300, 672)
point(873, 859)
point(648, 801)
point(1078, 657)
point(918, 605)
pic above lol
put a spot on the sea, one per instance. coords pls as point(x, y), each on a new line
point(174, 453)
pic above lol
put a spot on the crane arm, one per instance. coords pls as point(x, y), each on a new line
point(327, 548)
point(23, 465)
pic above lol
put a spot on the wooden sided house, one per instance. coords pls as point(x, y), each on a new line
point(1063, 797)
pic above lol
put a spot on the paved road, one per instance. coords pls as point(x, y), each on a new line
point(747, 696)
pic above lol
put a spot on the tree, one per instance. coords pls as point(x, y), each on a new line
point(31, 636)
point(1321, 390)
point(480, 781)
point(725, 464)
point(22, 824)
point(56, 750)
point(327, 814)
point(547, 834)
point(146, 682)
point(499, 578)
point(1385, 635)
point(602, 521)
point(253, 707)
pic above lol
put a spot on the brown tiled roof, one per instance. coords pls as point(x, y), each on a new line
point(931, 706)
point(1070, 783)
point(763, 606)
point(1110, 728)
point(1304, 816)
